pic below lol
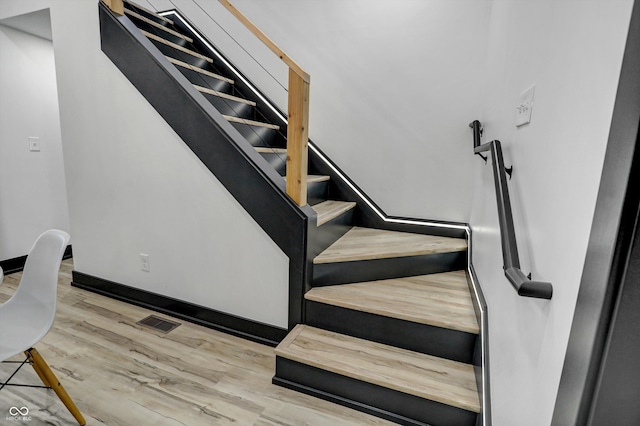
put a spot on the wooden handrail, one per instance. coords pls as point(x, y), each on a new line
point(266, 40)
point(298, 113)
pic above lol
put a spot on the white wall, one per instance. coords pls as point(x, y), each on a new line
point(393, 86)
point(572, 51)
point(33, 195)
point(134, 187)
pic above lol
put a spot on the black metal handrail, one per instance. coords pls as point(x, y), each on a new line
point(523, 284)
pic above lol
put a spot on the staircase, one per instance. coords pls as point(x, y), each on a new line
point(389, 324)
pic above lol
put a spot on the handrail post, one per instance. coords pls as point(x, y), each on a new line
point(116, 6)
point(298, 123)
point(297, 138)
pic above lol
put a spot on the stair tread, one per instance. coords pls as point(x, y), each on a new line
point(150, 12)
point(369, 243)
point(441, 300)
point(331, 209)
point(156, 25)
point(223, 95)
point(182, 64)
point(175, 46)
point(251, 122)
point(425, 376)
point(315, 178)
point(269, 150)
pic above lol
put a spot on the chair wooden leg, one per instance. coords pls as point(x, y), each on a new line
point(50, 379)
point(38, 371)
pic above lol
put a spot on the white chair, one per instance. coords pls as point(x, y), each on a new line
point(28, 315)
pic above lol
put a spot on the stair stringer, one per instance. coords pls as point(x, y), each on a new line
point(235, 163)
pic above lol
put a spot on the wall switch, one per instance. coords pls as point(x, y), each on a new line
point(34, 144)
point(525, 106)
point(144, 262)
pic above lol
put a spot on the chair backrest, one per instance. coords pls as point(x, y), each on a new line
point(39, 283)
point(28, 315)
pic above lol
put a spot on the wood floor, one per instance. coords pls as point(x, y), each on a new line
point(119, 373)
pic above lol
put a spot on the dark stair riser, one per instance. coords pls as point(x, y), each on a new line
point(277, 160)
point(231, 107)
point(147, 15)
point(160, 33)
point(379, 269)
point(188, 58)
point(261, 136)
point(387, 403)
point(331, 231)
point(206, 81)
point(441, 342)
point(316, 192)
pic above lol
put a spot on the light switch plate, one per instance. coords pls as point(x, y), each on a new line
point(525, 107)
point(34, 144)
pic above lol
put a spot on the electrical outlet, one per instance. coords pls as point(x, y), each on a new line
point(525, 107)
point(144, 262)
point(34, 144)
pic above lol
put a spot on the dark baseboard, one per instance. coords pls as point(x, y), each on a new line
point(16, 264)
point(227, 323)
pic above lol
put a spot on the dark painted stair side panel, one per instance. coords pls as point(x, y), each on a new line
point(253, 183)
point(387, 403)
point(424, 338)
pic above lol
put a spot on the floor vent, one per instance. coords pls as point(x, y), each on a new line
point(158, 324)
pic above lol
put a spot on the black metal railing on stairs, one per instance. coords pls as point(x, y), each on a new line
point(522, 283)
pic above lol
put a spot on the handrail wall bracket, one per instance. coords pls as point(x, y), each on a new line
point(523, 284)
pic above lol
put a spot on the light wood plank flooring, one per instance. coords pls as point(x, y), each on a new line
point(119, 373)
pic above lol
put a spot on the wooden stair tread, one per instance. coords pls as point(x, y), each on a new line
point(331, 209)
point(250, 122)
point(368, 243)
point(425, 376)
point(441, 300)
point(268, 150)
point(223, 95)
point(175, 46)
point(314, 178)
point(156, 25)
point(182, 64)
point(150, 12)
